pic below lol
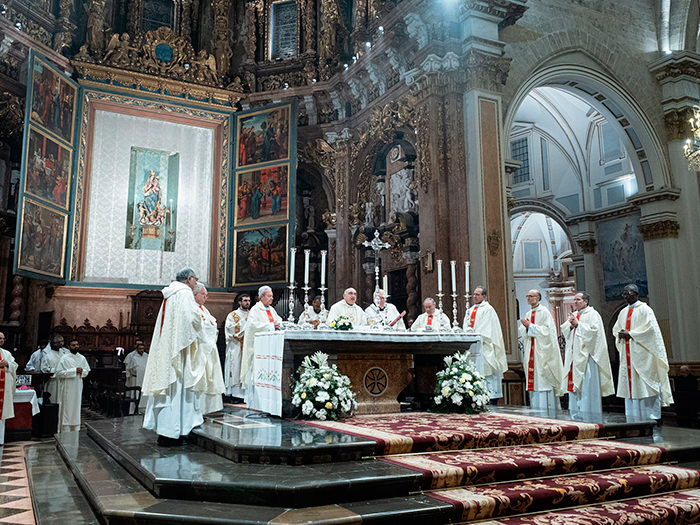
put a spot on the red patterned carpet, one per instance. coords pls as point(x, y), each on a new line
point(460, 468)
point(551, 493)
point(424, 432)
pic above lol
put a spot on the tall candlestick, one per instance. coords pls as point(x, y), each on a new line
point(466, 276)
point(323, 268)
point(385, 285)
point(439, 266)
point(453, 264)
point(292, 258)
point(307, 253)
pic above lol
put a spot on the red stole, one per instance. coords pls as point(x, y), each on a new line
point(269, 315)
point(570, 386)
point(473, 316)
point(162, 316)
point(2, 390)
point(430, 321)
point(628, 324)
point(531, 362)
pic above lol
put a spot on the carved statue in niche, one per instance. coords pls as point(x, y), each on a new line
point(203, 68)
point(95, 36)
point(369, 214)
point(403, 192)
point(118, 51)
point(223, 54)
point(309, 212)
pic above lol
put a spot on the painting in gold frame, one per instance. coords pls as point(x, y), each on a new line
point(53, 100)
point(42, 240)
point(262, 195)
point(260, 256)
point(263, 136)
point(47, 169)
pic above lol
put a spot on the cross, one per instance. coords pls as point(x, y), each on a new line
point(377, 245)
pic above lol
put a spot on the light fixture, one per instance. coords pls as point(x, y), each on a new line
point(692, 145)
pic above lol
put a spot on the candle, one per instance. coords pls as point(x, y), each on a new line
point(439, 265)
point(292, 257)
point(323, 268)
point(385, 285)
point(307, 253)
point(466, 276)
point(453, 265)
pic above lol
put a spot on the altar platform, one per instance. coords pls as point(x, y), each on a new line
point(242, 466)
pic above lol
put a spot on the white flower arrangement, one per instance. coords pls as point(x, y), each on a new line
point(460, 387)
point(322, 391)
point(342, 322)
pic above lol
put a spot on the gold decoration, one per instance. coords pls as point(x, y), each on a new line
point(222, 37)
point(395, 242)
point(95, 27)
point(659, 230)
point(330, 219)
point(11, 115)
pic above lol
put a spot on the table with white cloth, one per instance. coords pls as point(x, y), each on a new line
point(26, 405)
point(380, 364)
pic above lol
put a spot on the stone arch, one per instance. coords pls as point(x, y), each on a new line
point(548, 209)
point(611, 99)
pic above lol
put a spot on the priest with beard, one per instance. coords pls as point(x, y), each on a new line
point(205, 365)
point(234, 328)
point(70, 371)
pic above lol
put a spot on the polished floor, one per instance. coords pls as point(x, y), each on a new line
point(15, 498)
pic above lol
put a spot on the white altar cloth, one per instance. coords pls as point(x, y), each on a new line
point(265, 393)
point(27, 396)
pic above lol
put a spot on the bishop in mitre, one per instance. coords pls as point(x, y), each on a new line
point(347, 307)
point(588, 375)
point(431, 319)
point(205, 365)
point(234, 328)
point(542, 359)
point(8, 379)
point(483, 319)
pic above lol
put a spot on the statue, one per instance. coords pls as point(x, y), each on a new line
point(95, 25)
point(118, 50)
point(369, 214)
point(203, 68)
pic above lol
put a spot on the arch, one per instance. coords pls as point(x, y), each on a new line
point(545, 208)
point(608, 97)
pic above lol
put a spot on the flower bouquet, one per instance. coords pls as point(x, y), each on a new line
point(460, 387)
point(321, 391)
point(342, 322)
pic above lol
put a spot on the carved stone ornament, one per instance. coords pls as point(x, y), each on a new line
point(677, 123)
point(329, 218)
point(587, 245)
point(11, 115)
point(493, 241)
point(659, 230)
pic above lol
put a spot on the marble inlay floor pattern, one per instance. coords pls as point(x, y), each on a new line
point(15, 499)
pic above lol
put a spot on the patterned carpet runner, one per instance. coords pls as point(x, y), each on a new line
point(682, 507)
point(424, 432)
point(538, 495)
point(460, 468)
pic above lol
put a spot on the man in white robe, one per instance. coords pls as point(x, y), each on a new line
point(347, 307)
point(380, 312)
point(587, 371)
point(542, 359)
point(314, 314)
point(70, 371)
point(483, 319)
point(643, 375)
point(262, 318)
point(45, 360)
point(431, 319)
point(205, 363)
point(135, 364)
point(234, 328)
point(173, 408)
point(8, 380)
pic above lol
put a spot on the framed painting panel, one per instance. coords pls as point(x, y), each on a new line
point(260, 256)
point(262, 195)
point(263, 136)
point(53, 100)
point(47, 168)
point(42, 240)
point(622, 256)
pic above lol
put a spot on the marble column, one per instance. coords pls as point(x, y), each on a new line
point(584, 235)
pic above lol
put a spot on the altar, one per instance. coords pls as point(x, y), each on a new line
point(380, 364)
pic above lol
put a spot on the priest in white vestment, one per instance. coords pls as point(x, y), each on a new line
point(135, 365)
point(8, 365)
point(173, 408)
point(262, 318)
point(587, 371)
point(643, 375)
point(380, 312)
point(205, 365)
point(70, 371)
point(45, 360)
point(483, 319)
point(431, 319)
point(542, 358)
point(234, 328)
point(314, 314)
point(347, 307)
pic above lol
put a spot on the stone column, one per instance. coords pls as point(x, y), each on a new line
point(584, 235)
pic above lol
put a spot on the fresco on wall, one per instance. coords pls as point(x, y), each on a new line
point(622, 256)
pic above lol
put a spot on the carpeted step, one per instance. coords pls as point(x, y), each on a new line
point(424, 432)
point(680, 507)
point(473, 467)
point(508, 499)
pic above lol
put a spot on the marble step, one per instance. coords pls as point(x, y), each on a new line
point(190, 472)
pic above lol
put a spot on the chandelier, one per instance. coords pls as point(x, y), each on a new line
point(691, 150)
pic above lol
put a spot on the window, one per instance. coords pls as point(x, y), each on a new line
point(612, 148)
point(284, 29)
point(519, 152)
point(545, 164)
point(156, 13)
point(531, 255)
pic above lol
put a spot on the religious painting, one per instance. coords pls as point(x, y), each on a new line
point(262, 195)
point(263, 136)
point(47, 169)
point(42, 240)
point(53, 100)
point(260, 256)
point(151, 217)
point(622, 256)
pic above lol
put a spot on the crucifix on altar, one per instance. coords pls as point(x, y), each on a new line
point(377, 245)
